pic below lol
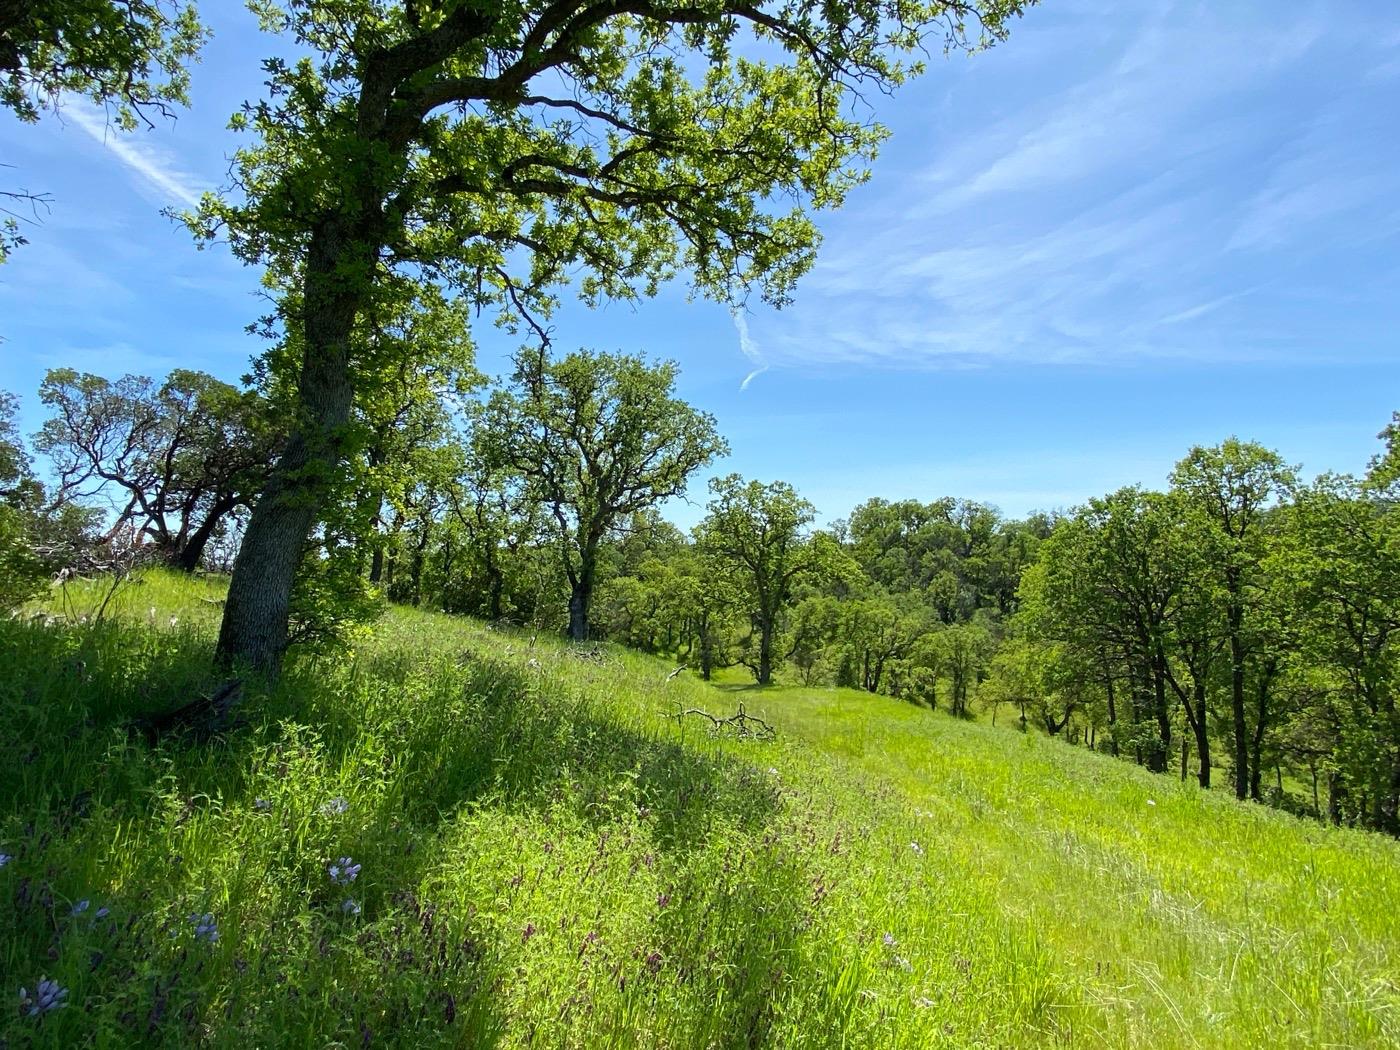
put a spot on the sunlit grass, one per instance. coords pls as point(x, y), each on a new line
point(547, 859)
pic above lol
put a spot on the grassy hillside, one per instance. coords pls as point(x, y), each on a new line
point(546, 859)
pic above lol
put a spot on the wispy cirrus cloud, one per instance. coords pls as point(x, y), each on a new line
point(1175, 196)
point(154, 170)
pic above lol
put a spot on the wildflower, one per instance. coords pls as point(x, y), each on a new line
point(5, 858)
point(174, 620)
point(772, 771)
point(48, 995)
point(889, 940)
point(335, 807)
point(901, 962)
point(923, 1002)
point(205, 928)
point(344, 871)
point(262, 805)
point(527, 932)
point(1151, 802)
point(80, 907)
point(663, 899)
point(350, 906)
point(654, 962)
point(918, 850)
point(102, 912)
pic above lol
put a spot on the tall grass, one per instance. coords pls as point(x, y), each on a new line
point(546, 858)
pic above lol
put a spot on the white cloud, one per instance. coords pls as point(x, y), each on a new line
point(156, 172)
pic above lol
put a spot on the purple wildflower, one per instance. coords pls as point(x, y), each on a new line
point(335, 807)
point(350, 906)
point(102, 912)
point(344, 871)
point(5, 858)
point(663, 899)
point(654, 962)
point(527, 932)
point(205, 928)
point(48, 995)
point(80, 907)
point(888, 940)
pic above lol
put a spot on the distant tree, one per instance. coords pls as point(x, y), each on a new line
point(1110, 584)
point(174, 461)
point(965, 652)
point(815, 630)
point(875, 631)
point(759, 532)
point(22, 570)
point(958, 556)
point(1342, 552)
point(1234, 483)
point(598, 438)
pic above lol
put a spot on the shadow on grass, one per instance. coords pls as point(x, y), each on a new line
point(86, 802)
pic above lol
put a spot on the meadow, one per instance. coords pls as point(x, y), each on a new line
point(460, 836)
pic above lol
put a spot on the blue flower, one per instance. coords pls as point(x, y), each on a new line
point(102, 913)
point(262, 805)
point(344, 871)
point(205, 928)
point(48, 995)
point(5, 858)
point(350, 906)
point(80, 907)
point(335, 807)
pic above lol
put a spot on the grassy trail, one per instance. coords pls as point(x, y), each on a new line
point(546, 859)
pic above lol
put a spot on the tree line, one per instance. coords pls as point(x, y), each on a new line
point(431, 161)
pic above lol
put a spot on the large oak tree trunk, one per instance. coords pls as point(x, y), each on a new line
point(579, 600)
point(255, 625)
point(765, 651)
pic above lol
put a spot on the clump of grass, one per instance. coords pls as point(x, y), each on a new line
point(541, 857)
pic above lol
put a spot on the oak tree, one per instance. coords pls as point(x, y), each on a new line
point(503, 149)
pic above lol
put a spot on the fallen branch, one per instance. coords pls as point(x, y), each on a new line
point(745, 725)
point(205, 715)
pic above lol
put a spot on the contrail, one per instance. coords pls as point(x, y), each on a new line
point(746, 346)
point(152, 166)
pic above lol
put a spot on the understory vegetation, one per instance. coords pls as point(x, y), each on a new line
point(466, 836)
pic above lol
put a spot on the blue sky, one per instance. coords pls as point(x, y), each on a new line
point(1131, 228)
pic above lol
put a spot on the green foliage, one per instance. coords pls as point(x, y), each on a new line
point(547, 860)
point(758, 534)
point(174, 462)
point(597, 439)
point(131, 55)
point(23, 573)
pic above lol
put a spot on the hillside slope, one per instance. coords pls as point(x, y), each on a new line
point(546, 858)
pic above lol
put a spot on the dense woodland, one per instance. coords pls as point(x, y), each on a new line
point(1235, 627)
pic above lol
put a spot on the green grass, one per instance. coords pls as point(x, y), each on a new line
point(548, 860)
